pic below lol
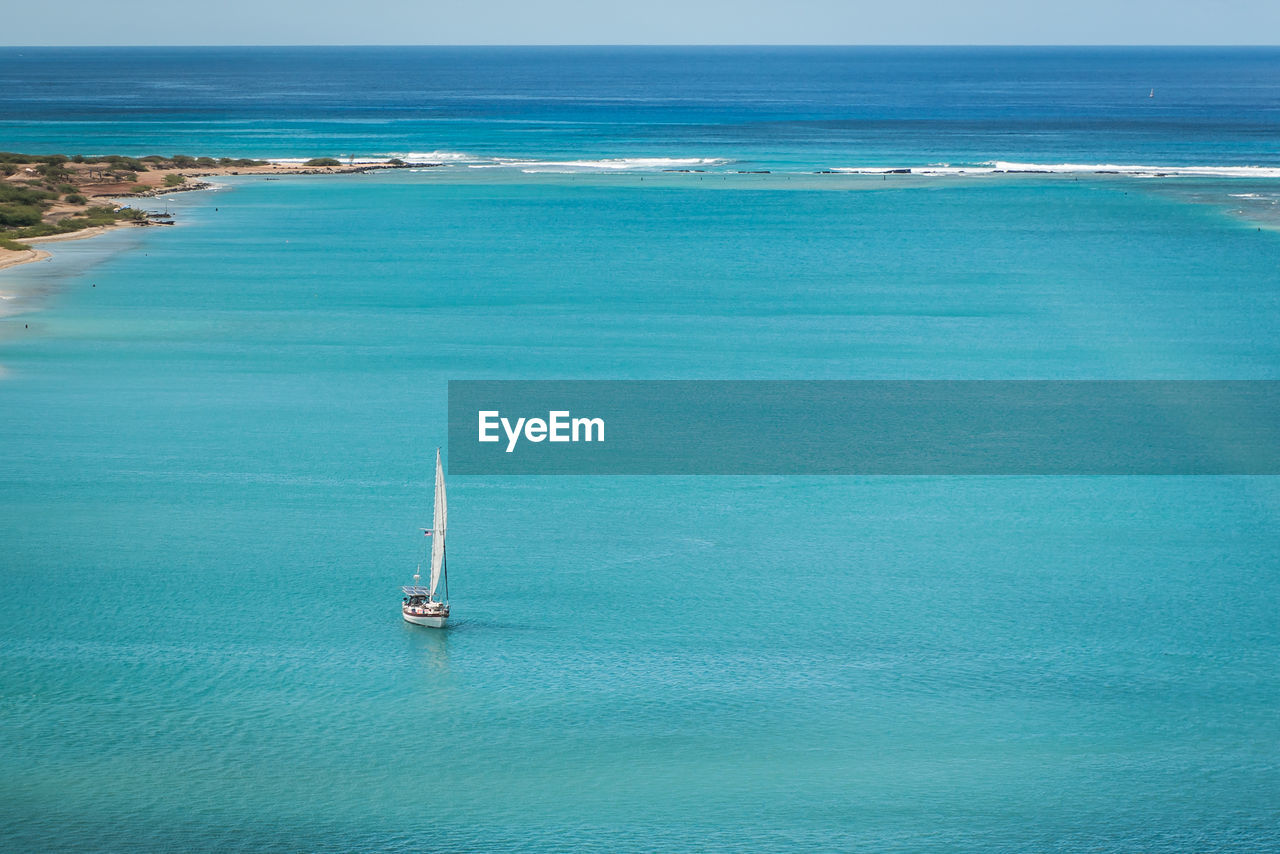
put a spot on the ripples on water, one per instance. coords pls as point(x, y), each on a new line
point(217, 460)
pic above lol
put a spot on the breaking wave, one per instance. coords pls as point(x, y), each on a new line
point(611, 164)
point(527, 164)
point(534, 165)
point(1008, 167)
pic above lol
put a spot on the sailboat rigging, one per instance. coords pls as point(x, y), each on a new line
point(420, 605)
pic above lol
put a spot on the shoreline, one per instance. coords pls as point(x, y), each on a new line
point(30, 256)
point(13, 258)
point(10, 258)
point(191, 175)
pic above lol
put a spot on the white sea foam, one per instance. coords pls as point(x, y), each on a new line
point(412, 157)
point(526, 164)
point(420, 157)
point(658, 164)
point(1005, 166)
point(1128, 169)
point(613, 164)
point(617, 164)
point(6, 311)
point(941, 169)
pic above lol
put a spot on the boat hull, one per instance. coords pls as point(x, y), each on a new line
point(434, 621)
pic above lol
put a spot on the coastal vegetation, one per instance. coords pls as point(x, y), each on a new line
point(42, 195)
point(45, 195)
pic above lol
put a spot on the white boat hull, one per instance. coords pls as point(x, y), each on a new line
point(435, 621)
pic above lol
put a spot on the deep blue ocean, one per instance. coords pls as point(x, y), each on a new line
point(218, 439)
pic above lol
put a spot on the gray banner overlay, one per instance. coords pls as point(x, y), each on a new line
point(864, 427)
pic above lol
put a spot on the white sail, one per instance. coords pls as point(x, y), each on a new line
point(438, 525)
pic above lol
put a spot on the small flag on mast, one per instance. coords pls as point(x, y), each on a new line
point(426, 532)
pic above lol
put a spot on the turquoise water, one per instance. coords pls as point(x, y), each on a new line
point(225, 435)
point(218, 450)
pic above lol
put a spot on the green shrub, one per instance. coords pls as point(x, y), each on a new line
point(95, 216)
point(323, 161)
point(53, 171)
point(174, 180)
point(41, 230)
point(12, 245)
point(12, 216)
point(76, 199)
point(182, 161)
point(131, 164)
point(23, 194)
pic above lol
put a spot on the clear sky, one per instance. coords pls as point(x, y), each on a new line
point(247, 22)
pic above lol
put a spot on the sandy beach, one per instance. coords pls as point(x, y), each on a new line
point(12, 258)
point(149, 185)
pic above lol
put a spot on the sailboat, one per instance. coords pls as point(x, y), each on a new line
point(420, 605)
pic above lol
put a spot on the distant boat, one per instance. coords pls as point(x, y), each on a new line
point(420, 605)
point(1151, 94)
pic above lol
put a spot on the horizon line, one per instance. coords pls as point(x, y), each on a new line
point(1122, 45)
